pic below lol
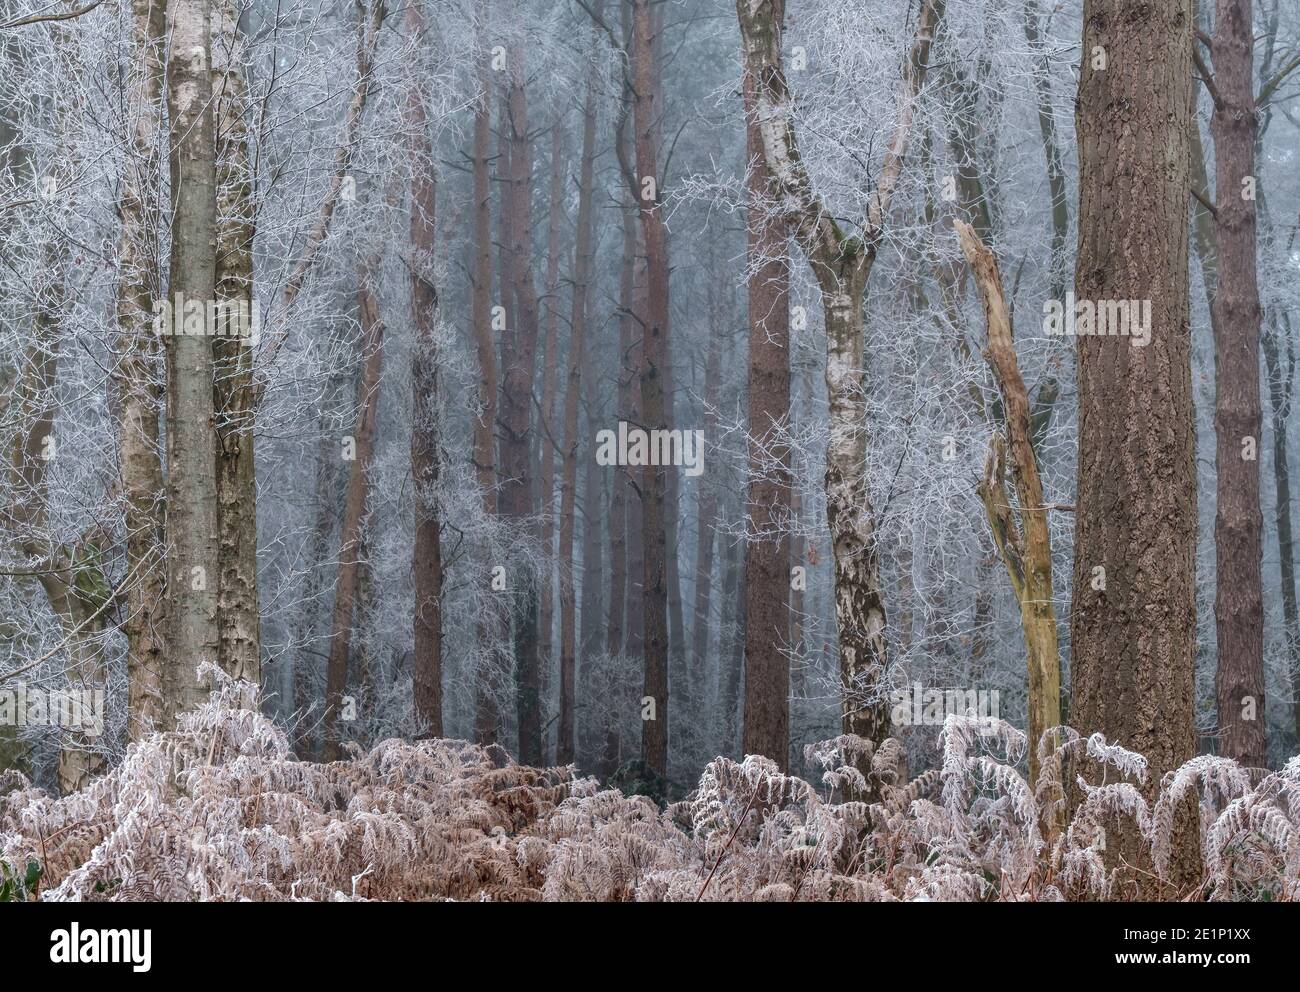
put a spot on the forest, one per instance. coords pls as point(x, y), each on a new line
point(649, 450)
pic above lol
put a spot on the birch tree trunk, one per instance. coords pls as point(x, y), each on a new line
point(842, 265)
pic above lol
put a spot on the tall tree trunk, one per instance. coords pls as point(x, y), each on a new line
point(620, 586)
point(345, 591)
point(1133, 622)
point(1238, 522)
point(707, 524)
point(138, 375)
point(654, 363)
point(578, 360)
point(238, 609)
point(192, 571)
point(1281, 390)
point(426, 560)
point(842, 266)
point(548, 444)
point(485, 709)
point(767, 544)
point(519, 352)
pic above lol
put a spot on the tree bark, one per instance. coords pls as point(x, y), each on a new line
point(767, 541)
point(654, 349)
point(578, 360)
point(1133, 622)
point(138, 378)
point(842, 265)
point(426, 560)
point(238, 609)
point(192, 572)
point(1238, 522)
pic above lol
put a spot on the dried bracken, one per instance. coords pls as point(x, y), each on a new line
point(219, 809)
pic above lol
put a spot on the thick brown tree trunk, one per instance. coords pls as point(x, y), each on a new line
point(1238, 522)
point(1133, 622)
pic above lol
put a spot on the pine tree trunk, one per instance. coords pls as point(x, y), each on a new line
point(767, 547)
point(1238, 522)
point(1133, 622)
point(654, 364)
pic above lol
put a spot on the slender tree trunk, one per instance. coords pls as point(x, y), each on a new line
point(707, 527)
point(426, 561)
point(485, 710)
point(238, 609)
point(583, 259)
point(548, 443)
point(620, 591)
point(1133, 622)
point(192, 572)
point(1024, 543)
point(654, 484)
point(842, 265)
point(1238, 522)
point(519, 356)
point(350, 538)
point(138, 376)
point(767, 546)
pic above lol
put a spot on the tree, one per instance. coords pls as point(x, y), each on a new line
point(841, 263)
point(767, 549)
point(192, 570)
point(426, 558)
point(1238, 521)
point(1133, 619)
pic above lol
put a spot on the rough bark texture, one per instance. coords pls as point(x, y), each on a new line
point(767, 548)
point(1133, 626)
point(238, 609)
point(138, 378)
point(192, 570)
point(1238, 522)
point(426, 560)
